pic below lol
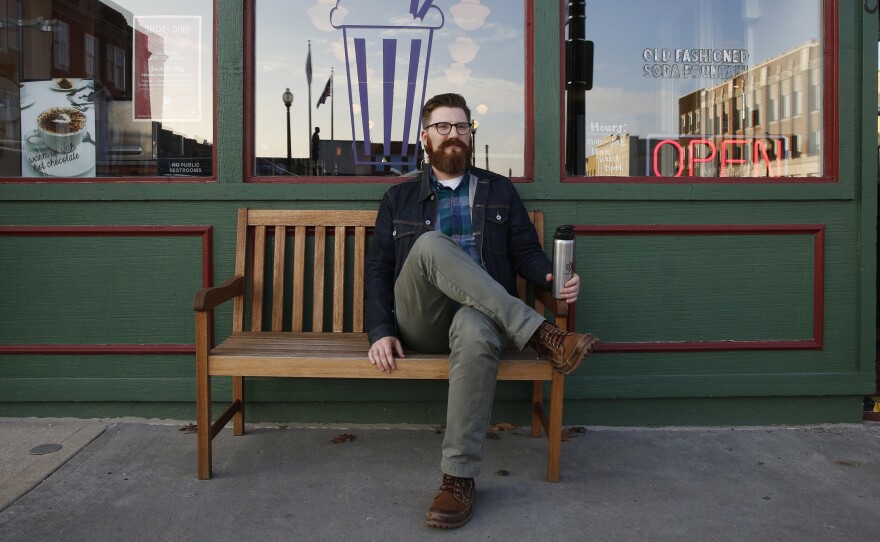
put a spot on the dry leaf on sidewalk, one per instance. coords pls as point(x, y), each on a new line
point(343, 438)
point(190, 428)
point(572, 432)
point(502, 427)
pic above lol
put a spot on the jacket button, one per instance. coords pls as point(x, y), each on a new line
point(394, 232)
point(428, 222)
point(498, 216)
point(432, 197)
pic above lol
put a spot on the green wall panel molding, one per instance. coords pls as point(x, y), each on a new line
point(715, 412)
point(755, 411)
point(99, 290)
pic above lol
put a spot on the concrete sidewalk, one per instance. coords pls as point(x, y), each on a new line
point(133, 480)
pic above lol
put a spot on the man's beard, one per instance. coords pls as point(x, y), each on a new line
point(454, 163)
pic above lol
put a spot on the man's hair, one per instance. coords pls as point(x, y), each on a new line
point(444, 100)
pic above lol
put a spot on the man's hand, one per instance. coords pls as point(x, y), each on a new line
point(569, 291)
point(382, 353)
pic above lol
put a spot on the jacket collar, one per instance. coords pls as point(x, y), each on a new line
point(426, 189)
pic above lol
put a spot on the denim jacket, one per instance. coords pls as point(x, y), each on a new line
point(507, 240)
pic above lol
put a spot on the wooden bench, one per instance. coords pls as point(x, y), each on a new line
point(270, 285)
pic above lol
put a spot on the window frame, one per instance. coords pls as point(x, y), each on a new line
point(213, 178)
point(250, 115)
point(830, 116)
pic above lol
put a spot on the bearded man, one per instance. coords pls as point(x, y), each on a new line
point(441, 278)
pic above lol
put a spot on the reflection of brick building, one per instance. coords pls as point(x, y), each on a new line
point(779, 99)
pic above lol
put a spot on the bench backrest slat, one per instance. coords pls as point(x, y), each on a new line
point(258, 278)
point(318, 278)
point(278, 278)
point(357, 310)
point(299, 273)
point(339, 279)
point(240, 266)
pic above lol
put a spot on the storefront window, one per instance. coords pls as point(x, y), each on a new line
point(93, 89)
point(748, 72)
point(339, 85)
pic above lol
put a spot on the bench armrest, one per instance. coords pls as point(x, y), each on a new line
point(208, 298)
point(556, 306)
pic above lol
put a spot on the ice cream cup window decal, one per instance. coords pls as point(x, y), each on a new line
point(405, 52)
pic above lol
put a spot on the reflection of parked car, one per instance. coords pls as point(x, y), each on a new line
point(125, 146)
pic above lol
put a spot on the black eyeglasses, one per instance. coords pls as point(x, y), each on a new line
point(444, 128)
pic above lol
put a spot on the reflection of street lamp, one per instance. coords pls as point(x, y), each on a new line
point(487, 157)
point(474, 127)
point(287, 97)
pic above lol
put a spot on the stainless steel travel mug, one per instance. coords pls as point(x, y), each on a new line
point(563, 257)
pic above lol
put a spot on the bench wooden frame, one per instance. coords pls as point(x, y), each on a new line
point(319, 353)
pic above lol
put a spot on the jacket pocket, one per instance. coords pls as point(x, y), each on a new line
point(496, 228)
point(402, 230)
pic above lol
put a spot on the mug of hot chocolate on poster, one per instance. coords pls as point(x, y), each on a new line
point(59, 128)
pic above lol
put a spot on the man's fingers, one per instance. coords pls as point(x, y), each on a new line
point(381, 353)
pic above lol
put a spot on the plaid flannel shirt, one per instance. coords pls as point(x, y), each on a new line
point(454, 215)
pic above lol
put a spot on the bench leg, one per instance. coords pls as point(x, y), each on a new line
point(238, 396)
point(537, 400)
point(554, 437)
point(203, 398)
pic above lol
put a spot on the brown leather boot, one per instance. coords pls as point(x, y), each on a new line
point(454, 504)
point(565, 350)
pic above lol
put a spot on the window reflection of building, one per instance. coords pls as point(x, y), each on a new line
point(767, 104)
point(343, 163)
point(92, 40)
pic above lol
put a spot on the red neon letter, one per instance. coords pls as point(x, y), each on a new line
point(761, 152)
point(680, 157)
point(693, 157)
point(724, 156)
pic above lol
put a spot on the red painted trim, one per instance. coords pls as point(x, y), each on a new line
point(831, 100)
point(147, 180)
point(105, 231)
point(705, 346)
point(529, 105)
point(816, 230)
point(205, 232)
point(249, 116)
point(830, 115)
point(700, 229)
point(215, 166)
point(249, 158)
point(98, 349)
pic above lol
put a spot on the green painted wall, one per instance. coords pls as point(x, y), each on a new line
point(652, 288)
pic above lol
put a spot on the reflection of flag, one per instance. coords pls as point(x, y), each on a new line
point(309, 65)
point(326, 93)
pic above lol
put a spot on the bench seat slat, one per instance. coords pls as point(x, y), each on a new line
point(331, 355)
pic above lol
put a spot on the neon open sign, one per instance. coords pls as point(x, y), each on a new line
point(765, 154)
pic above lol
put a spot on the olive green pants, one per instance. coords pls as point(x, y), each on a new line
point(446, 303)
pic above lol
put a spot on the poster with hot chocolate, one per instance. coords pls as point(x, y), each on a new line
point(58, 128)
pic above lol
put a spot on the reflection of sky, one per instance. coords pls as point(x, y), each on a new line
point(203, 129)
point(623, 96)
point(485, 64)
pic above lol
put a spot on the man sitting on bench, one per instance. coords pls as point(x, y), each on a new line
point(441, 277)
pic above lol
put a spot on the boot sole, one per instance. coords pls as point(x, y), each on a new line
point(582, 349)
point(447, 524)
